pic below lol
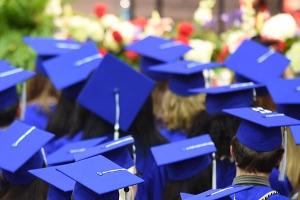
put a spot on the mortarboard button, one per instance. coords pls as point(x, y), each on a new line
point(184, 75)
point(47, 48)
point(9, 77)
point(217, 193)
point(178, 157)
point(20, 151)
point(66, 153)
point(261, 128)
point(256, 62)
point(98, 177)
point(156, 50)
point(116, 92)
point(60, 185)
point(231, 96)
point(116, 151)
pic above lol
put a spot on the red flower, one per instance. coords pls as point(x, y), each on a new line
point(117, 36)
point(185, 29)
point(224, 52)
point(131, 55)
point(100, 9)
point(280, 46)
point(140, 22)
point(102, 51)
point(183, 39)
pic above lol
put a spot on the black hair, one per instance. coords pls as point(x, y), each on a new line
point(59, 121)
point(8, 115)
point(199, 183)
point(144, 130)
point(78, 119)
point(252, 161)
point(222, 128)
point(36, 190)
point(199, 124)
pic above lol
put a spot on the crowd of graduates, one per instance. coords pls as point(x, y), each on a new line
point(88, 126)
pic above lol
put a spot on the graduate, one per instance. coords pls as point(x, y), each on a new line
point(187, 165)
point(10, 103)
point(222, 127)
point(69, 73)
point(287, 101)
point(154, 51)
point(21, 149)
point(257, 148)
point(179, 106)
point(42, 95)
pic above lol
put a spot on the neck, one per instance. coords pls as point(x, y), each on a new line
point(241, 172)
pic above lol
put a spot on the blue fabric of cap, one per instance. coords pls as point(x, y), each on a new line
point(114, 77)
point(256, 62)
point(184, 75)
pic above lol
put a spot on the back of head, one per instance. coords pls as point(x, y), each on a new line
point(59, 121)
point(8, 115)
point(222, 129)
point(178, 111)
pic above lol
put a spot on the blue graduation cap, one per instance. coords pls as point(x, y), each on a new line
point(256, 62)
point(116, 151)
point(216, 193)
point(47, 48)
point(66, 153)
point(178, 157)
point(116, 92)
point(20, 151)
point(231, 96)
point(9, 77)
point(260, 129)
point(184, 75)
point(69, 71)
point(60, 185)
point(156, 50)
point(98, 178)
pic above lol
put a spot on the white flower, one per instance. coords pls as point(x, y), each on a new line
point(127, 30)
point(54, 8)
point(110, 20)
point(280, 27)
point(95, 31)
point(234, 39)
point(201, 50)
point(202, 16)
point(110, 43)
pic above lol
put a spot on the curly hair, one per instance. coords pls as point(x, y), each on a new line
point(178, 112)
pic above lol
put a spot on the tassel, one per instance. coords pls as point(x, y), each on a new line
point(117, 117)
point(282, 167)
point(214, 172)
point(23, 101)
point(44, 156)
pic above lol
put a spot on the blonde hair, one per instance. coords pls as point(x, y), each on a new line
point(179, 111)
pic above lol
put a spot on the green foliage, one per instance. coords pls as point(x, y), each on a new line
point(21, 18)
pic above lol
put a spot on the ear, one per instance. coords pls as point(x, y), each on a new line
point(231, 152)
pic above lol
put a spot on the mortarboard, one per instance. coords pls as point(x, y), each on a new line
point(69, 71)
point(98, 177)
point(256, 62)
point(184, 159)
point(116, 151)
point(9, 77)
point(286, 94)
point(20, 151)
point(184, 75)
point(216, 193)
point(260, 129)
point(60, 185)
point(231, 96)
point(66, 153)
point(47, 48)
point(156, 50)
point(116, 92)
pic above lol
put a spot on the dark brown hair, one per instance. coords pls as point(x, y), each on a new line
point(252, 161)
